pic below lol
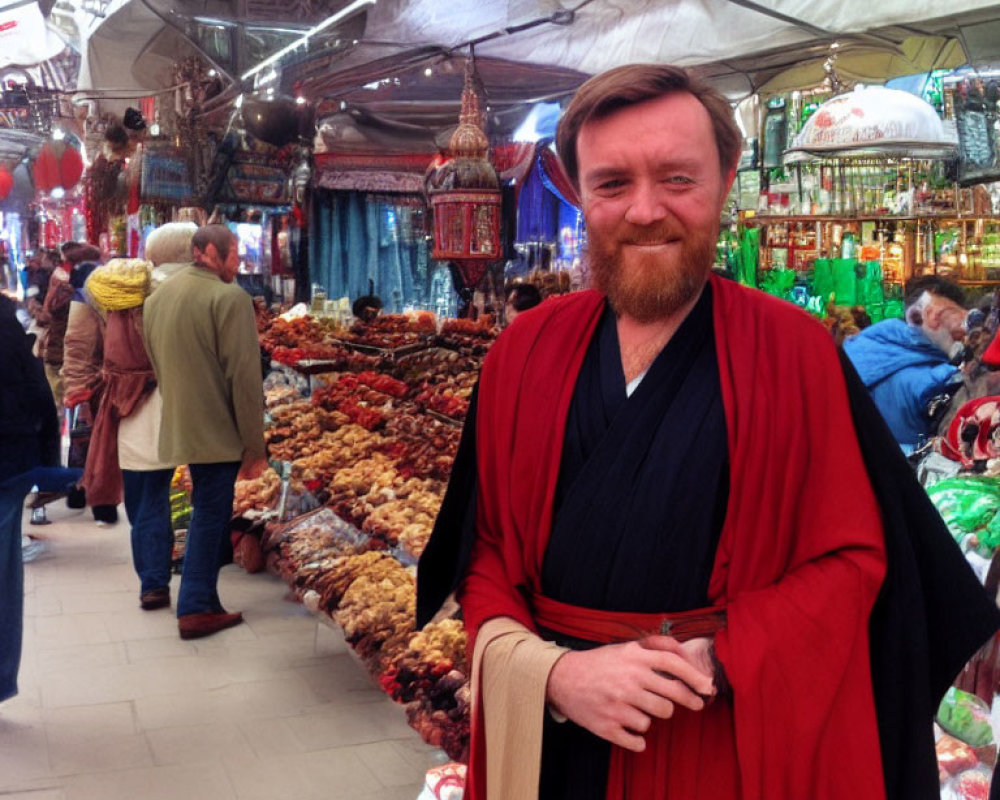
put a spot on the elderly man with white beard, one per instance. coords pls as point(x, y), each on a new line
point(907, 363)
point(685, 572)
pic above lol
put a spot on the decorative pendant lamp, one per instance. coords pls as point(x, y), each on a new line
point(464, 193)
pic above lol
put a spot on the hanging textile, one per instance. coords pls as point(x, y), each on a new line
point(366, 242)
point(536, 210)
point(555, 177)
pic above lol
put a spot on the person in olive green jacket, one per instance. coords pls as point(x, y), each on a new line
point(202, 340)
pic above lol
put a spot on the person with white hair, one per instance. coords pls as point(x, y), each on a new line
point(201, 336)
point(126, 432)
point(905, 364)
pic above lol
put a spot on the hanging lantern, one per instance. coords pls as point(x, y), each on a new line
point(6, 183)
point(45, 172)
point(70, 168)
point(57, 166)
point(464, 193)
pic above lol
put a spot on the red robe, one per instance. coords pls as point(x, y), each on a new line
point(798, 566)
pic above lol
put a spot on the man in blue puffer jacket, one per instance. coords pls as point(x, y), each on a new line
point(906, 363)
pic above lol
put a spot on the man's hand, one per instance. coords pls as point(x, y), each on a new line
point(251, 467)
point(614, 691)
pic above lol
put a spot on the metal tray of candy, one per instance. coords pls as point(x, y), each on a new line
point(312, 366)
point(388, 353)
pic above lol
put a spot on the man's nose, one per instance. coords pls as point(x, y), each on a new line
point(646, 204)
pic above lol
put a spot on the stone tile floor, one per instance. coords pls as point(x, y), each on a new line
point(114, 706)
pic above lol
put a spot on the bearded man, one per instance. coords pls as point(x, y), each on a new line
point(674, 510)
point(907, 363)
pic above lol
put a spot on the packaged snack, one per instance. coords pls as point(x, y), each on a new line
point(446, 782)
point(965, 717)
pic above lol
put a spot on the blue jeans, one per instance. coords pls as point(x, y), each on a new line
point(12, 494)
point(147, 503)
point(207, 537)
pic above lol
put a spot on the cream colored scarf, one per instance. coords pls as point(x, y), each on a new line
point(513, 707)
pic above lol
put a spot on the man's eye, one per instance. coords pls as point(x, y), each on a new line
point(679, 179)
point(610, 185)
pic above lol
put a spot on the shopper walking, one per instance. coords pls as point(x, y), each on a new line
point(83, 386)
point(124, 443)
point(675, 512)
point(54, 317)
point(202, 340)
point(29, 456)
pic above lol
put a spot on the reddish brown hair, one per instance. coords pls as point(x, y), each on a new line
point(631, 85)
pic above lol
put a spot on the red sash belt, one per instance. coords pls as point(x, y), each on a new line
point(622, 626)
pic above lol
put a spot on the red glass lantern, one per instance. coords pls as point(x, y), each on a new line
point(45, 172)
point(466, 225)
point(464, 194)
point(6, 183)
point(57, 164)
point(70, 168)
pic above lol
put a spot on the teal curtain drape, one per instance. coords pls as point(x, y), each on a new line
point(365, 241)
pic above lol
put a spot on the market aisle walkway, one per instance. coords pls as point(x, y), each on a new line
point(114, 705)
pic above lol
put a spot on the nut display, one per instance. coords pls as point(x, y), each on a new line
point(368, 443)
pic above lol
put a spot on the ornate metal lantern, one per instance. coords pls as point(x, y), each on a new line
point(464, 193)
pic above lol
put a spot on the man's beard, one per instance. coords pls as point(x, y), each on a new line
point(940, 338)
point(649, 286)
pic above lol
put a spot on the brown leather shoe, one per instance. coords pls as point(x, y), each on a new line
point(194, 626)
point(155, 598)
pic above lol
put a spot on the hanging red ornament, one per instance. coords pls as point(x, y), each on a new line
point(6, 183)
point(45, 172)
point(464, 193)
point(70, 168)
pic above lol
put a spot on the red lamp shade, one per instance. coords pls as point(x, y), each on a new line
point(467, 225)
point(6, 183)
point(57, 164)
point(46, 170)
point(70, 168)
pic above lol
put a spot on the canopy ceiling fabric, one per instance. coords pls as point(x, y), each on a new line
point(549, 46)
point(601, 34)
point(25, 39)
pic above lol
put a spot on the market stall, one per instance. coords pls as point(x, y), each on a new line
point(845, 200)
point(362, 428)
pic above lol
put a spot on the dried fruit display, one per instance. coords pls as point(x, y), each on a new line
point(334, 582)
point(260, 493)
point(366, 443)
point(432, 653)
point(467, 336)
point(280, 395)
point(291, 333)
point(433, 366)
point(378, 612)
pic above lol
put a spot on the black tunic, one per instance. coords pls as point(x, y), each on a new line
point(640, 503)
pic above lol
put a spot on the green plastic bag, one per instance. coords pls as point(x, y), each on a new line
point(845, 281)
point(747, 257)
point(822, 280)
point(970, 506)
point(966, 717)
point(778, 282)
point(964, 504)
point(870, 290)
point(893, 309)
